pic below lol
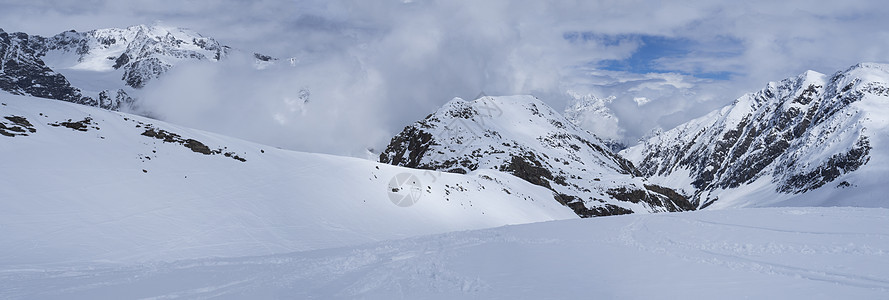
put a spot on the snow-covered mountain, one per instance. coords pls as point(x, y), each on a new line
point(84, 184)
point(523, 136)
point(22, 72)
point(808, 140)
point(592, 114)
point(100, 67)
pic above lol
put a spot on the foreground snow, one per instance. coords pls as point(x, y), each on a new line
point(769, 253)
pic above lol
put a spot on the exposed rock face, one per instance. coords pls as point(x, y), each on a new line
point(141, 52)
point(31, 65)
point(798, 134)
point(22, 72)
point(523, 136)
point(12, 126)
point(120, 97)
point(192, 144)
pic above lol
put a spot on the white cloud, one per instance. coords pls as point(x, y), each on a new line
point(641, 100)
point(375, 66)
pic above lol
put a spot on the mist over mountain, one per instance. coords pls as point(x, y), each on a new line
point(425, 149)
point(411, 57)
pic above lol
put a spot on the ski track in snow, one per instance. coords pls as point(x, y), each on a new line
point(780, 253)
point(738, 256)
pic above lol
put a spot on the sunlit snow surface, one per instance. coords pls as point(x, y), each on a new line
point(771, 253)
point(112, 213)
point(112, 194)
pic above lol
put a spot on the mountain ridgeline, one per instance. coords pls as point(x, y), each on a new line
point(109, 63)
point(523, 136)
point(805, 133)
point(810, 140)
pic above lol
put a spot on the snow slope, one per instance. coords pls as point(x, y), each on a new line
point(810, 140)
point(85, 184)
point(774, 253)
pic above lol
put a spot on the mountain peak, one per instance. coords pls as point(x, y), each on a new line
point(812, 77)
point(870, 65)
point(793, 137)
point(523, 136)
point(160, 30)
point(100, 67)
point(592, 114)
point(589, 102)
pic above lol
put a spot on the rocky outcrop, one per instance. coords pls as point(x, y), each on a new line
point(22, 72)
point(523, 136)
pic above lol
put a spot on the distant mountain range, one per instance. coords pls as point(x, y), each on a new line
point(100, 67)
point(813, 139)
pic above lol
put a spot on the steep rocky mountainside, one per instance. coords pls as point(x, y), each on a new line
point(22, 72)
point(100, 67)
point(806, 133)
point(523, 136)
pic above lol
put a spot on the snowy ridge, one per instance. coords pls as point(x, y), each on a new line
point(102, 67)
point(84, 184)
point(814, 137)
point(775, 253)
point(141, 52)
point(523, 136)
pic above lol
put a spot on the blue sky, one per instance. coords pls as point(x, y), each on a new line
point(651, 50)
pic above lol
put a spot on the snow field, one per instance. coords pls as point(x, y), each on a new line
point(114, 195)
point(775, 253)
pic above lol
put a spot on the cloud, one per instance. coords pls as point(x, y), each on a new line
point(641, 100)
point(308, 108)
point(373, 67)
point(671, 98)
